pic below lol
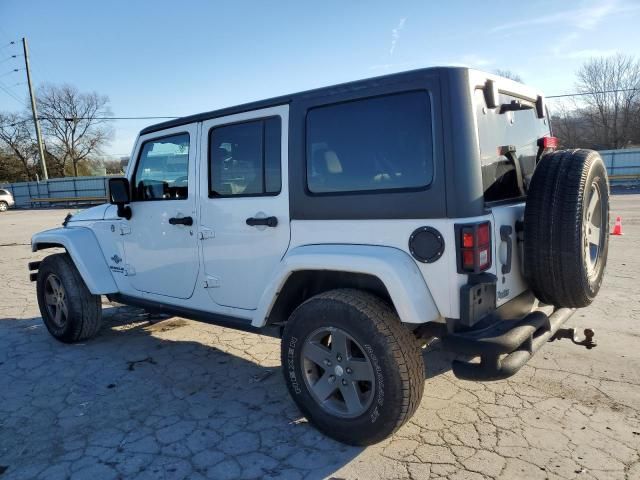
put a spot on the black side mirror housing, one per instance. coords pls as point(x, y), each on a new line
point(120, 195)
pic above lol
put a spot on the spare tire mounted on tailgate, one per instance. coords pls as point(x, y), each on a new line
point(566, 228)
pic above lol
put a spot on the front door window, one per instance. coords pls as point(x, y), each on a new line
point(162, 171)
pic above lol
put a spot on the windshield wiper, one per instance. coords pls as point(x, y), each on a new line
point(514, 106)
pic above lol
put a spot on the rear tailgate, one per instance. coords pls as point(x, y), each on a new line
point(508, 251)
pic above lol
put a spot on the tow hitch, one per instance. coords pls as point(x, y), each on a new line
point(586, 340)
point(503, 347)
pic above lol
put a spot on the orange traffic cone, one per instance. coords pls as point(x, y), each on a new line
point(617, 228)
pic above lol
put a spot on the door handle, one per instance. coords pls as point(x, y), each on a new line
point(181, 221)
point(505, 236)
point(268, 222)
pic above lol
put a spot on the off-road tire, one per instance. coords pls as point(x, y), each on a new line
point(4, 206)
point(393, 351)
point(84, 308)
point(556, 265)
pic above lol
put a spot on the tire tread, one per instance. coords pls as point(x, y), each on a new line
point(553, 228)
point(89, 306)
point(401, 343)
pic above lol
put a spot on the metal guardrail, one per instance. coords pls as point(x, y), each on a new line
point(66, 191)
point(623, 167)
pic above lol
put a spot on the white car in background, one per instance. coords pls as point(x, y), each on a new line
point(6, 200)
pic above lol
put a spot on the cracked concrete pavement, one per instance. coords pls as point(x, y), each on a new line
point(157, 397)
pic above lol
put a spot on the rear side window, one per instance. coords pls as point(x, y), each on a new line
point(381, 143)
point(3, 192)
point(245, 159)
point(520, 129)
point(163, 169)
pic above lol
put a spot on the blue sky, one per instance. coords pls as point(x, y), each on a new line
point(178, 58)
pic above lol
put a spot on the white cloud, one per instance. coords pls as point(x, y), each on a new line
point(590, 52)
point(575, 24)
point(585, 18)
point(395, 34)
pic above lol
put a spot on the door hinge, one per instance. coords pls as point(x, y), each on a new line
point(125, 229)
point(129, 270)
point(206, 233)
point(211, 282)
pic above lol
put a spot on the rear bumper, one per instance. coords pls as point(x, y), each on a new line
point(505, 346)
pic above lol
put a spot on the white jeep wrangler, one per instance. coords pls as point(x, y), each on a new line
point(356, 222)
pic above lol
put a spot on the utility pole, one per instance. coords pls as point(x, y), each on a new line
point(45, 176)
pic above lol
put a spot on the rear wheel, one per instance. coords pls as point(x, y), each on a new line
point(69, 310)
point(566, 228)
point(351, 367)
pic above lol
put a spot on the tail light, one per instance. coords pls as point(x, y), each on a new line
point(546, 145)
point(474, 247)
point(550, 143)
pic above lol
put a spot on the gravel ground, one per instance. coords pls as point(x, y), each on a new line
point(156, 397)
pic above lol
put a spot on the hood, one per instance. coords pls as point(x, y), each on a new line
point(93, 213)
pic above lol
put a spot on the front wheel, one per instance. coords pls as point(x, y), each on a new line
point(69, 310)
point(351, 367)
point(4, 206)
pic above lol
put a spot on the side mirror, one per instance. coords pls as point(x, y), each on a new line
point(120, 195)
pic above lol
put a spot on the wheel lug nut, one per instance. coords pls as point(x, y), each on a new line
point(332, 378)
point(349, 371)
point(339, 357)
point(344, 382)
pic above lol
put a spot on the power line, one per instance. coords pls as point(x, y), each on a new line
point(10, 93)
point(13, 85)
point(72, 119)
point(13, 124)
point(12, 57)
point(594, 93)
point(10, 72)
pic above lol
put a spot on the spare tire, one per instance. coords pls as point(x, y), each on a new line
point(566, 228)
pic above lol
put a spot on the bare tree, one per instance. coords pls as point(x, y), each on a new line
point(73, 124)
point(18, 148)
point(114, 167)
point(610, 104)
point(508, 74)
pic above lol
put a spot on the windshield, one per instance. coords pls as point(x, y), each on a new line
point(507, 135)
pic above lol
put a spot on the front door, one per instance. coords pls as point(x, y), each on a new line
point(244, 217)
point(159, 240)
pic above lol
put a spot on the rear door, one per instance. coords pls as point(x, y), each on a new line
point(244, 217)
point(508, 144)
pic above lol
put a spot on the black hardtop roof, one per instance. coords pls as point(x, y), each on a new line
point(285, 99)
